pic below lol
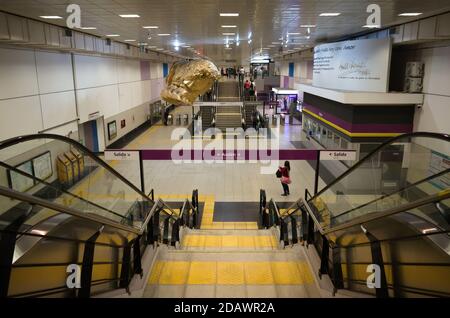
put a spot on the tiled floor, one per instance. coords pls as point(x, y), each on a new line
point(230, 181)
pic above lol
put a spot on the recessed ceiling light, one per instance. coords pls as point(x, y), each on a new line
point(229, 33)
point(229, 14)
point(54, 17)
point(308, 26)
point(88, 28)
point(163, 34)
point(112, 35)
point(129, 15)
point(229, 26)
point(130, 40)
point(329, 14)
point(410, 14)
point(368, 26)
point(151, 27)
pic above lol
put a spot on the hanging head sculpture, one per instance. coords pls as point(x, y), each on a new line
point(189, 79)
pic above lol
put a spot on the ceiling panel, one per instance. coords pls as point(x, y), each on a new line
point(197, 22)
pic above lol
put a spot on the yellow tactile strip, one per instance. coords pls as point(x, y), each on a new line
point(230, 273)
point(207, 222)
point(230, 241)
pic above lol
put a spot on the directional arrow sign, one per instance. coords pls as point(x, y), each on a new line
point(337, 155)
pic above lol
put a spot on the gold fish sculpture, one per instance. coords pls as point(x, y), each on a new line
point(189, 79)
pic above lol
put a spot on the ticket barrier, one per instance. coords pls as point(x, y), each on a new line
point(65, 171)
point(178, 120)
point(185, 119)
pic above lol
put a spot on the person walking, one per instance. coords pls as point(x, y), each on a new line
point(284, 174)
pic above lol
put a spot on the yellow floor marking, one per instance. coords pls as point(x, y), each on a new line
point(230, 273)
point(258, 273)
point(174, 273)
point(218, 241)
point(286, 273)
point(202, 273)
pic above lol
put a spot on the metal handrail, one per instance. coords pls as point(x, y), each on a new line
point(6, 166)
point(295, 206)
point(276, 207)
point(393, 193)
point(20, 139)
point(444, 137)
point(371, 216)
point(24, 197)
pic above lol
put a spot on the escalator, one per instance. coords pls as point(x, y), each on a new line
point(96, 223)
point(389, 213)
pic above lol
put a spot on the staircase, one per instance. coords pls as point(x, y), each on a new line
point(249, 109)
point(228, 117)
point(228, 91)
point(231, 263)
point(206, 112)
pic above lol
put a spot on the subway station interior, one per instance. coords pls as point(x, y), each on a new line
point(224, 149)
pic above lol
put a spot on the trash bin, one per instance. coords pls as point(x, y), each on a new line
point(80, 160)
point(74, 162)
point(65, 172)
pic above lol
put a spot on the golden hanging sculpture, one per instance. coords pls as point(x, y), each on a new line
point(189, 79)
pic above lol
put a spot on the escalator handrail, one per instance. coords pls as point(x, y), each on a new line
point(24, 197)
point(276, 207)
point(2, 164)
point(444, 137)
point(369, 217)
point(20, 139)
point(294, 206)
point(393, 193)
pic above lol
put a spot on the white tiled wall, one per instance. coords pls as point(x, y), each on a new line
point(42, 90)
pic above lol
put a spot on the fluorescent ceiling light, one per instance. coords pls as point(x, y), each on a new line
point(160, 49)
point(229, 14)
point(229, 26)
point(410, 14)
point(329, 14)
point(228, 48)
point(186, 46)
point(370, 26)
point(151, 27)
point(143, 43)
point(308, 26)
point(129, 16)
point(54, 17)
point(130, 40)
point(276, 43)
point(163, 34)
point(152, 47)
point(112, 35)
point(88, 28)
point(229, 33)
point(294, 33)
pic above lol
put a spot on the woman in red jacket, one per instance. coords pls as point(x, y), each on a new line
point(285, 177)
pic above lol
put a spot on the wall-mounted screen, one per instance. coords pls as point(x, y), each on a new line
point(359, 65)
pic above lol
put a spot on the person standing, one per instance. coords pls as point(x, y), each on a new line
point(284, 173)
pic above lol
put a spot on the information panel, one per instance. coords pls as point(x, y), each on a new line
point(359, 65)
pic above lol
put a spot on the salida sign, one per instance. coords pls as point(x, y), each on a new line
point(338, 155)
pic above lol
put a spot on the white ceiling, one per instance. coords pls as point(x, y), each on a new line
point(197, 22)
